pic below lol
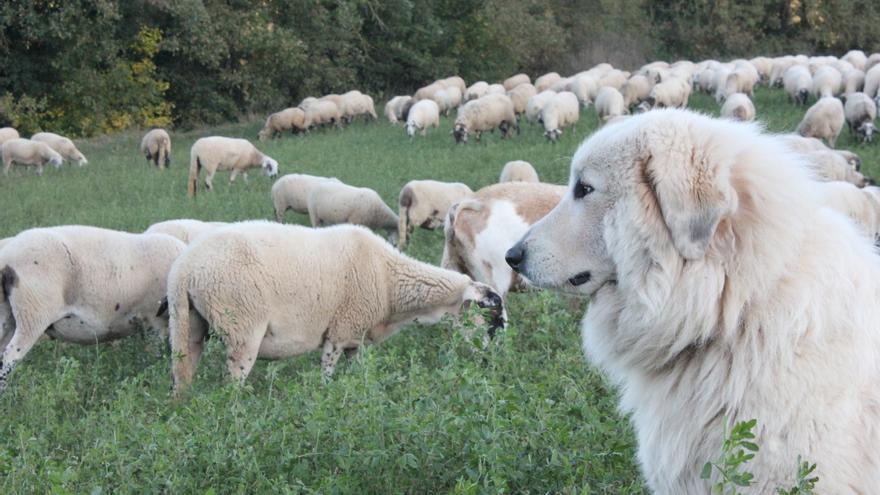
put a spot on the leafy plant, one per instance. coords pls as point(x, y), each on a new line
point(737, 449)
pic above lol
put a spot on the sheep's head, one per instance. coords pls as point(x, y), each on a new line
point(460, 132)
point(411, 129)
point(56, 161)
point(270, 166)
point(802, 96)
point(866, 130)
point(80, 159)
point(553, 135)
point(486, 298)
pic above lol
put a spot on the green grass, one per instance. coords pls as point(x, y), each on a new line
point(425, 412)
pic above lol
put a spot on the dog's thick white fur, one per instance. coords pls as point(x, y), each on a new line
point(721, 290)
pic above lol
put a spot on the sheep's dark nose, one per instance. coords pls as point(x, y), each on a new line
point(515, 256)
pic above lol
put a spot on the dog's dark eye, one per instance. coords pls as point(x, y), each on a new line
point(581, 190)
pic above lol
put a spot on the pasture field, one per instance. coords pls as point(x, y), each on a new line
point(426, 412)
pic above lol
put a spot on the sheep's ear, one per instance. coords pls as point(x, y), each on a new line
point(690, 180)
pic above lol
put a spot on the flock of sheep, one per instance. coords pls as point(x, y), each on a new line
point(273, 291)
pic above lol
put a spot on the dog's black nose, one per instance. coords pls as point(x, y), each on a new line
point(515, 256)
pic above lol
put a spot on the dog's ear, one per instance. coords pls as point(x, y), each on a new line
point(691, 183)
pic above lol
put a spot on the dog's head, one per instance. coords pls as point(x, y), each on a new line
point(656, 183)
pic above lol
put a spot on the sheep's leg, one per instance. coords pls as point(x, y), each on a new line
point(244, 176)
point(39, 170)
point(209, 180)
point(24, 338)
point(233, 175)
point(6, 166)
point(242, 353)
point(330, 357)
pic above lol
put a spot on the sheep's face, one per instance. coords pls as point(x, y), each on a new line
point(270, 166)
point(460, 132)
point(486, 298)
point(802, 96)
point(411, 129)
point(81, 160)
point(553, 135)
point(867, 131)
point(56, 161)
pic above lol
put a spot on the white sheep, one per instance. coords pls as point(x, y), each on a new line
point(332, 203)
point(221, 153)
point(544, 82)
point(823, 120)
point(476, 90)
point(323, 113)
point(62, 145)
point(427, 92)
point(763, 65)
point(394, 108)
point(354, 104)
point(873, 60)
point(80, 284)
point(423, 114)
point(291, 192)
point(483, 115)
point(860, 111)
point(801, 144)
point(780, 66)
point(424, 203)
point(614, 78)
point(287, 290)
point(826, 165)
point(536, 104)
point(7, 133)
point(585, 87)
point(740, 80)
point(872, 81)
point(454, 82)
point(520, 96)
point(738, 106)
point(518, 171)
point(290, 119)
point(853, 81)
point(495, 89)
point(797, 82)
point(857, 58)
point(827, 82)
point(515, 80)
point(636, 90)
point(609, 104)
point(447, 99)
point(184, 229)
point(156, 146)
point(673, 92)
point(563, 110)
point(307, 102)
point(27, 152)
point(861, 205)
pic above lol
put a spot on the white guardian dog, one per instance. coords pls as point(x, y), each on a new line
point(721, 290)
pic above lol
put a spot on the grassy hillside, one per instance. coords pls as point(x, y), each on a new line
point(425, 412)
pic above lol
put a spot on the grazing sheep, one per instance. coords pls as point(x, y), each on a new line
point(394, 108)
point(609, 104)
point(221, 153)
point(423, 114)
point(80, 284)
point(332, 203)
point(520, 96)
point(536, 104)
point(584, 87)
point(563, 110)
point(424, 203)
point(672, 92)
point(495, 89)
point(873, 60)
point(780, 66)
point(860, 111)
point(823, 120)
point(853, 81)
point(635, 90)
point(514, 81)
point(7, 133)
point(857, 58)
point(797, 82)
point(323, 113)
point(476, 90)
point(479, 231)
point(291, 192)
point(518, 171)
point(301, 290)
point(156, 146)
point(354, 104)
point(861, 205)
point(27, 152)
point(184, 229)
point(290, 119)
point(454, 82)
point(483, 115)
point(801, 144)
point(763, 65)
point(738, 106)
point(827, 165)
point(427, 92)
point(447, 99)
point(544, 82)
point(62, 145)
point(614, 78)
point(307, 102)
point(872, 81)
point(827, 82)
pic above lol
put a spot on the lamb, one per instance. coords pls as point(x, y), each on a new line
point(485, 114)
point(62, 145)
point(323, 113)
point(635, 90)
point(609, 104)
point(394, 108)
point(860, 111)
point(221, 153)
point(290, 119)
point(536, 104)
point(304, 289)
point(563, 110)
point(514, 81)
point(424, 203)
point(291, 192)
point(672, 92)
point(823, 120)
point(518, 171)
point(332, 203)
point(520, 96)
point(738, 106)
point(354, 104)
point(476, 90)
point(27, 152)
point(7, 133)
point(827, 82)
point(156, 146)
point(861, 205)
point(79, 284)
point(479, 231)
point(185, 230)
point(872, 81)
point(797, 82)
point(424, 114)
point(544, 82)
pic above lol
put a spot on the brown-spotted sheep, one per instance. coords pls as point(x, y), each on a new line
point(79, 284)
point(215, 153)
point(424, 203)
point(483, 115)
point(156, 147)
point(290, 119)
point(292, 191)
point(62, 145)
point(301, 290)
point(27, 152)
